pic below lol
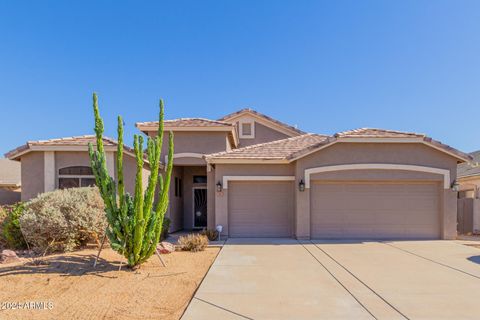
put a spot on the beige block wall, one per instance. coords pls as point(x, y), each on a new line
point(354, 153)
point(8, 196)
point(33, 181)
point(221, 198)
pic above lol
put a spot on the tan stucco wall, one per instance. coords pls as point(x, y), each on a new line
point(175, 208)
point(32, 175)
point(262, 134)
point(354, 153)
point(221, 198)
point(194, 142)
point(8, 196)
point(33, 170)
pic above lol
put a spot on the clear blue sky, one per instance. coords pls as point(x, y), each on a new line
point(326, 66)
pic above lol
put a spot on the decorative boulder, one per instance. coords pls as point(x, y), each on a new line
point(165, 247)
point(8, 256)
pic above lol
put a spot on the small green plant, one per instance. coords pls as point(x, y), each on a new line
point(193, 242)
point(211, 234)
point(11, 227)
point(134, 225)
point(165, 228)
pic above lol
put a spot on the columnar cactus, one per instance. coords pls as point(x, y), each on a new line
point(134, 226)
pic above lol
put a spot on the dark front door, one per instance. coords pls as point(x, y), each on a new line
point(199, 207)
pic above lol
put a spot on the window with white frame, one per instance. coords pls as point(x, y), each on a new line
point(75, 177)
point(247, 129)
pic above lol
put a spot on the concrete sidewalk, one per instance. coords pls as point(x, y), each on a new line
point(288, 279)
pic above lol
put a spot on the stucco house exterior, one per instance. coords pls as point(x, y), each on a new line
point(52, 164)
point(258, 177)
point(10, 182)
point(468, 177)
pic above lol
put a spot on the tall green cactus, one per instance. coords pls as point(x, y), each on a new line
point(134, 226)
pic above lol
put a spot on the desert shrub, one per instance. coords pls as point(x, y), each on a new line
point(11, 233)
point(193, 242)
point(3, 215)
point(165, 227)
point(63, 220)
point(211, 234)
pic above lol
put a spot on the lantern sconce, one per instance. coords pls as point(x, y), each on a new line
point(301, 186)
point(455, 186)
point(219, 186)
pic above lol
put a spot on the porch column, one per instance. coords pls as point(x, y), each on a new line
point(49, 171)
point(110, 164)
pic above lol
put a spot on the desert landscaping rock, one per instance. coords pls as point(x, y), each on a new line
point(165, 247)
point(8, 256)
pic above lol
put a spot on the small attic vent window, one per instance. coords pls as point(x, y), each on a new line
point(247, 129)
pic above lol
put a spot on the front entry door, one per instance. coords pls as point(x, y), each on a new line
point(199, 207)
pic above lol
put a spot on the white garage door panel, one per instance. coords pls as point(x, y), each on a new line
point(260, 209)
point(375, 211)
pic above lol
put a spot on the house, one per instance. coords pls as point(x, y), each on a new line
point(52, 164)
point(468, 203)
point(10, 182)
point(468, 177)
point(259, 177)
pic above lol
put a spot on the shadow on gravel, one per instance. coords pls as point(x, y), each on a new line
point(72, 265)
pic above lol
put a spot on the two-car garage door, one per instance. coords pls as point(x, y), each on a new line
point(338, 210)
point(349, 210)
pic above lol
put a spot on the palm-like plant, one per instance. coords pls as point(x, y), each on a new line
point(134, 225)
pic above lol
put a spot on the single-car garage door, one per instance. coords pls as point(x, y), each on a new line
point(350, 210)
point(260, 209)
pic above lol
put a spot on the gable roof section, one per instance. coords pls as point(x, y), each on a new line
point(265, 120)
point(377, 133)
point(183, 123)
point(291, 149)
point(10, 174)
point(470, 169)
point(192, 124)
point(274, 151)
point(76, 143)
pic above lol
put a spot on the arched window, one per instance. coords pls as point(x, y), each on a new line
point(74, 177)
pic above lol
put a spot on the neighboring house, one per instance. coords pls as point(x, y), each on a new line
point(258, 177)
point(10, 182)
point(468, 177)
point(64, 163)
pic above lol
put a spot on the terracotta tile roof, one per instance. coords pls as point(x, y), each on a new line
point(376, 133)
point(10, 173)
point(249, 110)
point(61, 142)
point(275, 150)
point(299, 146)
point(186, 122)
point(470, 169)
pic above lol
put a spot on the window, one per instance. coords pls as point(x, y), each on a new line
point(247, 129)
point(199, 179)
point(74, 177)
point(178, 187)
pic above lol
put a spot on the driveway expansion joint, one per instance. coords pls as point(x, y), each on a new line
point(361, 281)
point(431, 260)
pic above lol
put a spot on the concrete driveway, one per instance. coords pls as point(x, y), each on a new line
point(288, 279)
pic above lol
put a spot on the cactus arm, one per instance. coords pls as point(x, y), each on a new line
point(120, 178)
point(154, 154)
point(138, 200)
